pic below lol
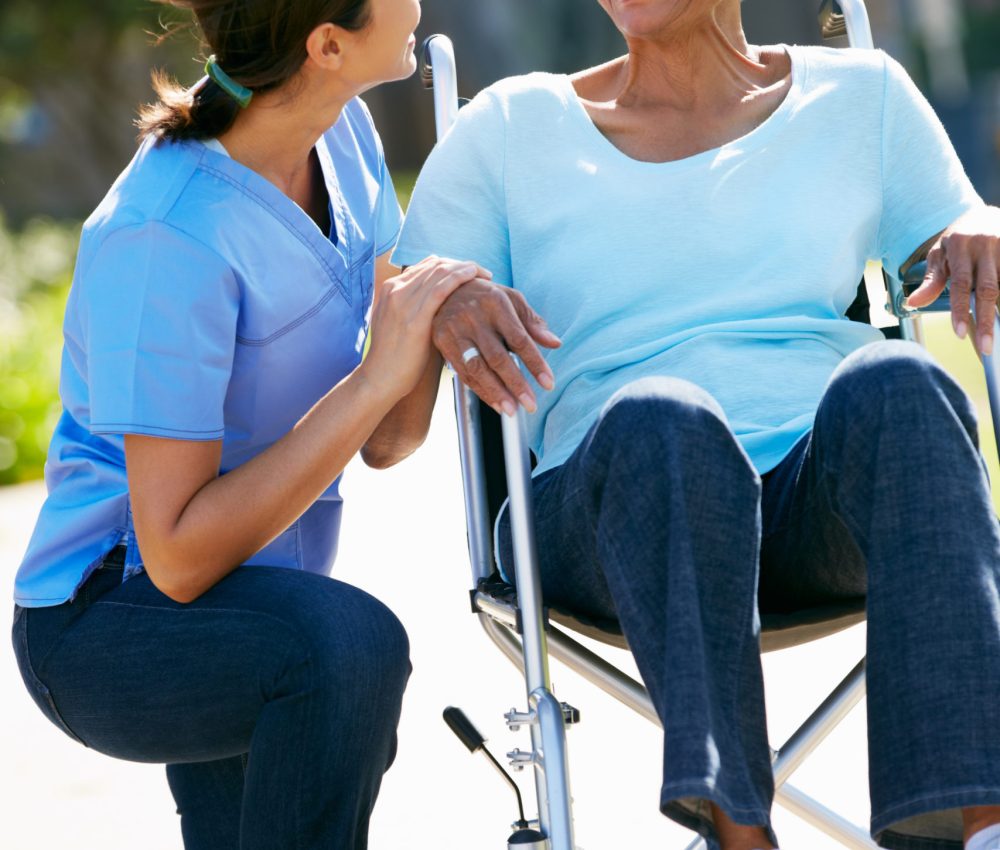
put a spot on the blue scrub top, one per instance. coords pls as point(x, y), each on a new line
point(206, 305)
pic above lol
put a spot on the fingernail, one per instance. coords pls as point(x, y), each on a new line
point(527, 402)
point(986, 345)
point(961, 329)
point(508, 407)
point(546, 381)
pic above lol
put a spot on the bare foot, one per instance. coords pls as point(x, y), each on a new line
point(733, 836)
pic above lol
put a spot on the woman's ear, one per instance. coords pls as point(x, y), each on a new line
point(325, 46)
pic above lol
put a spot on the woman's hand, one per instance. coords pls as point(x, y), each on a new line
point(476, 330)
point(967, 253)
point(401, 321)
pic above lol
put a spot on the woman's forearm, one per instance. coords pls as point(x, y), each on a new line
point(404, 428)
point(236, 514)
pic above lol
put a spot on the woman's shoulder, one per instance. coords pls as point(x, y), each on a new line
point(841, 63)
point(512, 96)
point(145, 192)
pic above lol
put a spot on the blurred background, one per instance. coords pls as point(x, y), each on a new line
point(71, 76)
point(72, 73)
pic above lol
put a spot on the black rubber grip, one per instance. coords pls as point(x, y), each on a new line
point(463, 728)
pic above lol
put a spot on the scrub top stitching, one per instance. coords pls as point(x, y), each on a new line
point(331, 273)
point(308, 314)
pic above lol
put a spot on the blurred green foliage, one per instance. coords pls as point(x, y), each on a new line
point(36, 267)
point(35, 271)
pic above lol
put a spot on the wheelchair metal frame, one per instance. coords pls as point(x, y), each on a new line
point(521, 633)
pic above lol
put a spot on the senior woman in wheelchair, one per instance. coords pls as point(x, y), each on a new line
point(692, 220)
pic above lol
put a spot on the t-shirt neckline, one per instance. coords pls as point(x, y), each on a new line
point(747, 141)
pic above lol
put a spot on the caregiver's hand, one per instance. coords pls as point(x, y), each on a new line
point(475, 330)
point(968, 253)
point(401, 321)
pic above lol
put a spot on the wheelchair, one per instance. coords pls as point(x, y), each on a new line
point(496, 467)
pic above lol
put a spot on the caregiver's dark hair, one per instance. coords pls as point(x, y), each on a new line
point(260, 44)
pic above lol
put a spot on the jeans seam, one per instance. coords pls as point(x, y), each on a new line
point(40, 685)
point(241, 611)
point(945, 795)
point(705, 784)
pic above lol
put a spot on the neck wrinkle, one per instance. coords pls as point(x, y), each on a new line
point(705, 64)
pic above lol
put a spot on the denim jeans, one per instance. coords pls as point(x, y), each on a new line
point(273, 698)
point(659, 520)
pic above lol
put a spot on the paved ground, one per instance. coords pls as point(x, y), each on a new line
point(404, 541)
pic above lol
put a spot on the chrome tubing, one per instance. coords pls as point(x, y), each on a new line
point(992, 372)
point(551, 786)
point(825, 820)
point(820, 723)
point(470, 450)
point(441, 56)
point(602, 674)
point(859, 28)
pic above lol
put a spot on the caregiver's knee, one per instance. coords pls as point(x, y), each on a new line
point(353, 637)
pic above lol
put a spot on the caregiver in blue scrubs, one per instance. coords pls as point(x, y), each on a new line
point(174, 604)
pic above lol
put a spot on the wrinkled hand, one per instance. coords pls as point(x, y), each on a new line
point(968, 253)
point(495, 320)
point(405, 306)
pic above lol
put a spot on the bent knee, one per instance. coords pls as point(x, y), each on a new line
point(667, 425)
point(659, 402)
point(352, 637)
point(891, 370)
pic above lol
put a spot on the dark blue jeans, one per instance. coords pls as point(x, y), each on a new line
point(659, 520)
point(273, 698)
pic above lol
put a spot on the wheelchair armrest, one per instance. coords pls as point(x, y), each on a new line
point(912, 279)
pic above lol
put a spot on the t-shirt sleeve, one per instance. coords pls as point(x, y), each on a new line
point(458, 208)
point(924, 187)
point(159, 332)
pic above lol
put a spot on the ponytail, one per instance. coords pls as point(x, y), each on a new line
point(260, 43)
point(204, 111)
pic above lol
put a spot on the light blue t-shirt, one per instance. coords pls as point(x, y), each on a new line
point(206, 305)
point(732, 268)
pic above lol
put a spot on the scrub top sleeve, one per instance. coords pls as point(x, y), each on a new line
point(459, 208)
point(388, 214)
point(924, 187)
point(159, 325)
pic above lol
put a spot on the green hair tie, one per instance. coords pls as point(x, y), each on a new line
point(241, 94)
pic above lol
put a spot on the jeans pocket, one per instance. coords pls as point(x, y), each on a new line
point(36, 688)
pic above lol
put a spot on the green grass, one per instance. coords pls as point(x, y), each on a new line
point(962, 363)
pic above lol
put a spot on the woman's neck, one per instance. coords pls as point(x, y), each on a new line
point(699, 63)
point(276, 133)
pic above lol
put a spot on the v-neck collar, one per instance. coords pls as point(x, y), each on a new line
point(335, 259)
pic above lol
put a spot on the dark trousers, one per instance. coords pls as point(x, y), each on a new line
point(659, 520)
point(273, 698)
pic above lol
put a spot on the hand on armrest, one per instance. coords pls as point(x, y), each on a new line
point(968, 254)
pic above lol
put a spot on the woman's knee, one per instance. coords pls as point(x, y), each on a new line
point(891, 377)
point(658, 406)
point(350, 639)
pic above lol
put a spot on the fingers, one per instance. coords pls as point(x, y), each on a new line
point(478, 375)
point(522, 334)
point(934, 280)
point(986, 300)
point(483, 315)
